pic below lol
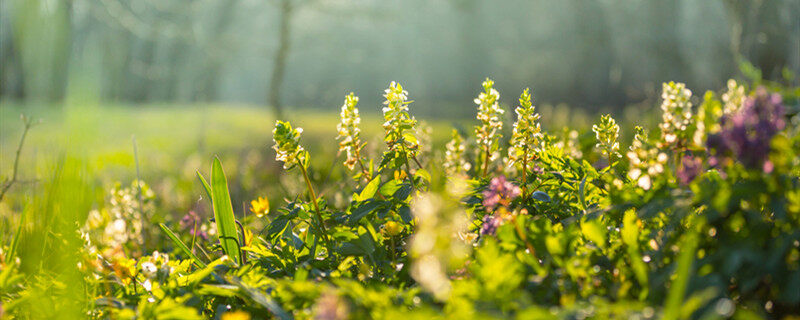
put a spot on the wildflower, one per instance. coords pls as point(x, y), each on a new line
point(733, 98)
point(488, 133)
point(746, 134)
point(500, 193)
point(607, 133)
point(677, 112)
point(260, 206)
point(349, 133)
point(490, 224)
point(527, 132)
point(149, 270)
point(397, 121)
point(454, 162)
point(646, 161)
point(189, 220)
point(192, 222)
point(287, 145)
point(690, 168)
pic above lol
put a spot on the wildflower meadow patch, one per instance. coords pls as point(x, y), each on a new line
point(698, 217)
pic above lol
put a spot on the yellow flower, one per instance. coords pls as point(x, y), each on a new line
point(259, 206)
point(236, 315)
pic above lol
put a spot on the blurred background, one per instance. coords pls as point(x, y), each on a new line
point(290, 54)
point(155, 88)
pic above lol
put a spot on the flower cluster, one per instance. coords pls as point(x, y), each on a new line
point(527, 132)
point(607, 133)
point(488, 133)
point(349, 133)
point(646, 160)
point(127, 212)
point(747, 133)
point(733, 98)
point(287, 145)
point(500, 193)
point(397, 121)
point(191, 222)
point(156, 269)
point(496, 199)
point(690, 168)
point(454, 162)
point(677, 112)
point(490, 224)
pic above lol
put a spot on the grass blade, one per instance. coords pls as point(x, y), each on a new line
point(206, 187)
point(223, 212)
point(181, 245)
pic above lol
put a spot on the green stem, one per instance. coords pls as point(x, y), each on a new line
point(486, 162)
point(321, 224)
point(408, 167)
point(524, 173)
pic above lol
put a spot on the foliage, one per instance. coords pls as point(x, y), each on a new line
point(681, 227)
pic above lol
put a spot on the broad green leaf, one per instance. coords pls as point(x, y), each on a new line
point(223, 212)
point(630, 236)
point(389, 188)
point(405, 214)
point(422, 173)
point(595, 232)
point(369, 191)
point(363, 211)
point(181, 245)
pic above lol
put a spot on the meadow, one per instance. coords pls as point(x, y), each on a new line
point(687, 208)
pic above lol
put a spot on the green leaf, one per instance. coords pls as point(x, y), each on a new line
point(278, 225)
point(541, 196)
point(206, 187)
point(363, 211)
point(223, 212)
point(405, 213)
point(594, 231)
point(422, 173)
point(582, 193)
point(683, 272)
point(261, 299)
point(182, 245)
point(369, 191)
point(630, 236)
point(390, 187)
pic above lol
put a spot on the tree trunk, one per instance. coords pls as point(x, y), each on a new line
point(279, 62)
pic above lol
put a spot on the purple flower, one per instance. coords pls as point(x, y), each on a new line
point(191, 222)
point(746, 134)
point(500, 192)
point(490, 224)
point(690, 168)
